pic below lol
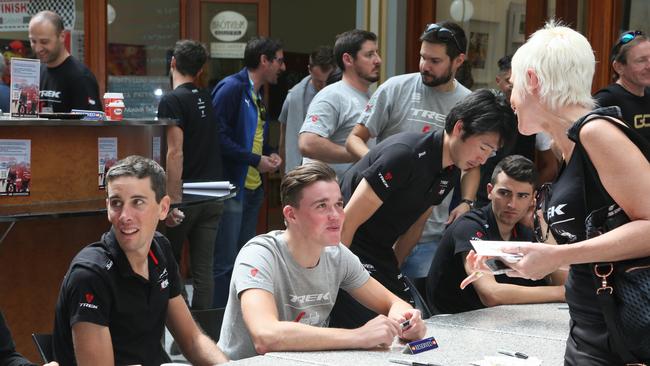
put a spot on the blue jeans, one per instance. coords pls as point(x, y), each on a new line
point(418, 263)
point(238, 225)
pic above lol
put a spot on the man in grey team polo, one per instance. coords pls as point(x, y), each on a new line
point(337, 107)
point(321, 65)
point(419, 102)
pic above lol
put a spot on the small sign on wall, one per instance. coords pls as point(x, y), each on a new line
point(15, 167)
point(227, 50)
point(107, 157)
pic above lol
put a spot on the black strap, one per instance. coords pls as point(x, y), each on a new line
point(605, 298)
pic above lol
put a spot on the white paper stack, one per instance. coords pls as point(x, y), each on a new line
point(213, 189)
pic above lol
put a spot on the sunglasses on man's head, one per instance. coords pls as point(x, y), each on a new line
point(444, 35)
point(542, 196)
point(624, 39)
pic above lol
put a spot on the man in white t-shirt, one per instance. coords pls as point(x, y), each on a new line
point(335, 109)
point(285, 283)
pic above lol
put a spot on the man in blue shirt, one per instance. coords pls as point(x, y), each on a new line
point(243, 130)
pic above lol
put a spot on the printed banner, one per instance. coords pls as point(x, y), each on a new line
point(107, 157)
point(25, 81)
point(15, 167)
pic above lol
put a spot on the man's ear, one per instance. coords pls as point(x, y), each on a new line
point(348, 60)
point(618, 67)
point(490, 187)
point(458, 128)
point(165, 203)
point(289, 214)
point(458, 61)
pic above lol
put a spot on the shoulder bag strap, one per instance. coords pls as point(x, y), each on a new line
point(605, 298)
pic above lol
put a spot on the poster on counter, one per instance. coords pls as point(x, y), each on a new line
point(15, 167)
point(107, 157)
point(155, 147)
point(24, 89)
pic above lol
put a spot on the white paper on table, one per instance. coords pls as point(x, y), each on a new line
point(209, 185)
point(208, 192)
point(492, 248)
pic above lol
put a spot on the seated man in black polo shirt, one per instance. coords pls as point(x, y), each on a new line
point(391, 190)
point(121, 291)
point(511, 195)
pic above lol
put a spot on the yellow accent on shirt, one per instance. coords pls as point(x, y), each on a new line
point(253, 178)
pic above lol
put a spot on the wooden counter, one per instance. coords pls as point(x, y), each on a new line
point(64, 168)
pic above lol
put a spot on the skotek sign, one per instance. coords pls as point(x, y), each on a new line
point(228, 26)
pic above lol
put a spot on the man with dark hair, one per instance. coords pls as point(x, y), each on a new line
point(321, 65)
point(193, 154)
point(285, 282)
point(243, 134)
point(419, 102)
point(336, 109)
point(120, 292)
point(65, 83)
point(631, 89)
point(536, 147)
point(511, 194)
point(390, 192)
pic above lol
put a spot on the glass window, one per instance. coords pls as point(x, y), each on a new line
point(635, 15)
point(141, 38)
point(493, 29)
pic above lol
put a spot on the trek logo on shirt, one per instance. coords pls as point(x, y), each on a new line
point(89, 297)
point(421, 154)
point(555, 210)
point(314, 118)
point(426, 129)
point(429, 115)
point(385, 178)
point(368, 107)
point(254, 272)
point(310, 299)
point(50, 94)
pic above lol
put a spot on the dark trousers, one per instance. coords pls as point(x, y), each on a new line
point(349, 313)
point(199, 227)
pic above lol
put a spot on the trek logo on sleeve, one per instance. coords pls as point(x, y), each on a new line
point(314, 118)
point(89, 297)
point(385, 178)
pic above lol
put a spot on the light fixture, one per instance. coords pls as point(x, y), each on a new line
point(461, 10)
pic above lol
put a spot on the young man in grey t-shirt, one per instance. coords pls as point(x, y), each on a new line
point(335, 109)
point(285, 283)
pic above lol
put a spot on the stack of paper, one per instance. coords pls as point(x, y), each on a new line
point(214, 189)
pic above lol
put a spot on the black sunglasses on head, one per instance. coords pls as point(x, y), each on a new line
point(443, 34)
